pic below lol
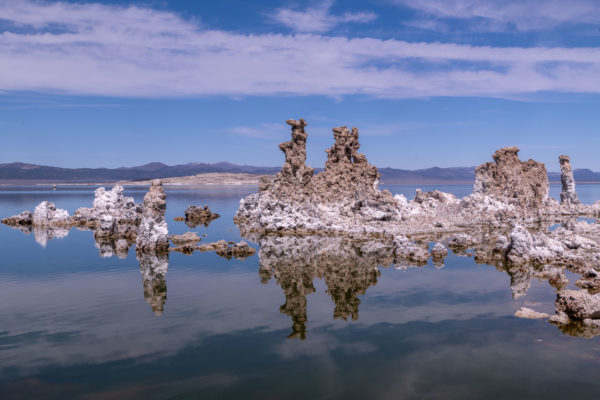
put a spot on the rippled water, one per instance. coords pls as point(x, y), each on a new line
point(74, 324)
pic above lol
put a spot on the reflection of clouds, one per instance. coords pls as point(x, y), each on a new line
point(321, 345)
point(100, 317)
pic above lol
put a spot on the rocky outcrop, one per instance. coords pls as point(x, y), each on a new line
point(407, 251)
point(185, 238)
point(438, 253)
point(568, 195)
point(196, 216)
point(344, 198)
point(523, 184)
point(294, 171)
point(153, 233)
point(528, 313)
point(578, 304)
point(25, 218)
point(112, 215)
point(46, 214)
point(341, 198)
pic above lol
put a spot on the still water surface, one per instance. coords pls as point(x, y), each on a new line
point(77, 325)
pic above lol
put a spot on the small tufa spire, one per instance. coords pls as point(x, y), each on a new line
point(568, 195)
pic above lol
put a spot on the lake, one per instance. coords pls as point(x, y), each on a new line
point(78, 323)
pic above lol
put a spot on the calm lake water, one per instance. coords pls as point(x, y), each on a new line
point(75, 325)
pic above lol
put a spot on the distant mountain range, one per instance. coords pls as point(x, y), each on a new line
point(30, 173)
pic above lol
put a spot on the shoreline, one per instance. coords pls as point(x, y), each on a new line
point(6, 183)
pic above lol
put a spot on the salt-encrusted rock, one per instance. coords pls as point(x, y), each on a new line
point(214, 246)
point(25, 218)
point(153, 233)
point(590, 279)
point(528, 313)
point(185, 238)
point(461, 241)
point(438, 253)
point(527, 248)
point(521, 183)
point(195, 216)
point(410, 251)
point(46, 214)
point(568, 195)
point(578, 304)
point(111, 215)
point(344, 199)
point(560, 318)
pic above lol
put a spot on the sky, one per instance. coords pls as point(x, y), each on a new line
point(428, 83)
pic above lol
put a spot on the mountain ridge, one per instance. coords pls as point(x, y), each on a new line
point(26, 172)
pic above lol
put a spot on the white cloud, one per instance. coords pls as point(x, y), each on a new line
point(522, 15)
point(263, 131)
point(140, 52)
point(318, 18)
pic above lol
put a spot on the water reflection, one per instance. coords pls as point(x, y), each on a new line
point(154, 267)
point(43, 234)
point(348, 269)
point(109, 247)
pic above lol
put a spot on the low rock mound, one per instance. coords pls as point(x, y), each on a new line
point(196, 216)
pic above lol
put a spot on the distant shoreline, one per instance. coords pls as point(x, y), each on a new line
point(221, 179)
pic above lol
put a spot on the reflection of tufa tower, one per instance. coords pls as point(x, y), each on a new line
point(348, 269)
point(345, 282)
point(154, 266)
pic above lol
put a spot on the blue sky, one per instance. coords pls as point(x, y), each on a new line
point(428, 83)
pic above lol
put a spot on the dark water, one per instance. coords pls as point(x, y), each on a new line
point(76, 325)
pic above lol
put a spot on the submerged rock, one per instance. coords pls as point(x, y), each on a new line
point(196, 216)
point(185, 238)
point(528, 313)
point(228, 250)
point(239, 250)
point(438, 253)
point(409, 251)
point(153, 233)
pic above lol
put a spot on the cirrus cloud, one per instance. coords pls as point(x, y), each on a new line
point(94, 49)
point(318, 18)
